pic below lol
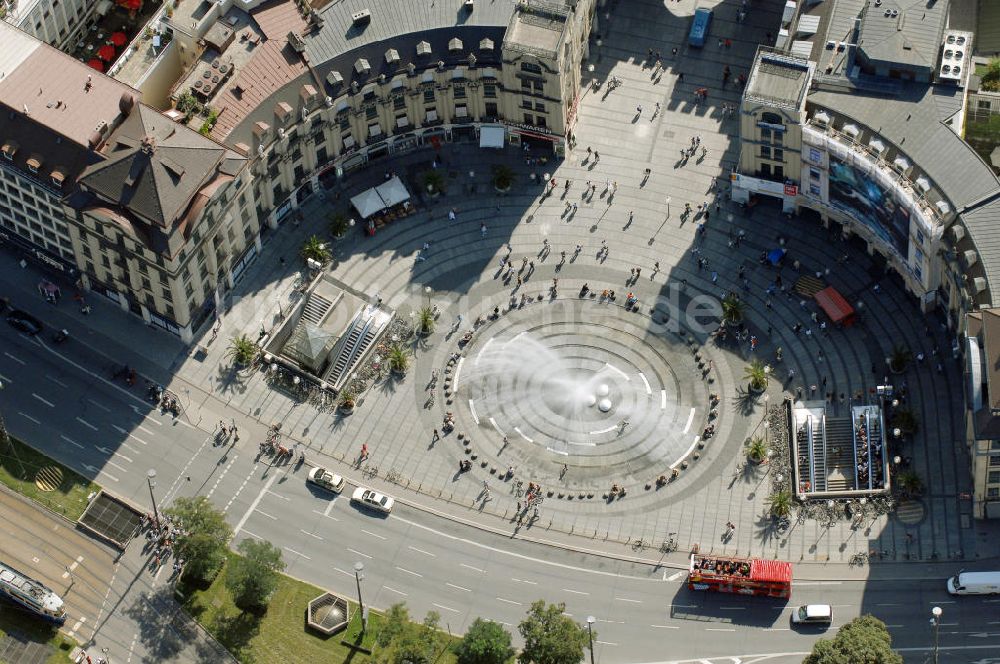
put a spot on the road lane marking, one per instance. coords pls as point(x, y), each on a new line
point(263, 513)
point(345, 572)
point(612, 622)
point(452, 585)
point(306, 532)
point(606, 643)
point(508, 601)
point(71, 441)
point(4, 379)
point(120, 455)
point(402, 569)
point(674, 576)
point(329, 508)
point(649, 390)
point(16, 359)
point(56, 381)
point(389, 588)
point(466, 566)
point(665, 626)
point(291, 550)
point(533, 583)
point(732, 608)
point(325, 514)
point(28, 417)
point(256, 501)
point(719, 629)
point(278, 495)
point(129, 434)
point(559, 452)
point(818, 583)
point(86, 423)
point(368, 532)
point(446, 608)
point(358, 553)
point(575, 592)
point(149, 431)
point(112, 463)
point(253, 535)
point(100, 405)
point(687, 427)
point(625, 599)
point(426, 553)
point(43, 400)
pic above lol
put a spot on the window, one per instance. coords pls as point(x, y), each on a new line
point(321, 156)
point(371, 113)
point(779, 173)
point(345, 122)
point(920, 238)
point(779, 155)
point(765, 151)
point(531, 68)
point(429, 96)
point(815, 190)
point(459, 92)
point(995, 445)
point(540, 107)
point(814, 173)
point(491, 110)
point(993, 492)
point(526, 84)
point(398, 103)
point(983, 104)
point(490, 91)
point(538, 87)
point(540, 120)
point(777, 138)
point(526, 103)
point(993, 477)
point(529, 119)
point(765, 134)
point(995, 460)
point(919, 272)
point(771, 118)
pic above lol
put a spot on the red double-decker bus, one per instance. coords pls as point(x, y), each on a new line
point(743, 576)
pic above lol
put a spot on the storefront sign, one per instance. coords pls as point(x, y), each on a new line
point(39, 254)
point(764, 186)
point(529, 128)
point(791, 190)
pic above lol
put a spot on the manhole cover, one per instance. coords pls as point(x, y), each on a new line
point(49, 478)
point(910, 512)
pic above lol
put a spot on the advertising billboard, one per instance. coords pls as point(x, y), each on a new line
point(861, 196)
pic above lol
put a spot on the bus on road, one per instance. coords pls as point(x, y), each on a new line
point(743, 576)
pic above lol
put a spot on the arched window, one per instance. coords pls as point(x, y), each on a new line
point(771, 118)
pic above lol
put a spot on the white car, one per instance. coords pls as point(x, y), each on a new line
point(322, 477)
point(373, 499)
point(813, 614)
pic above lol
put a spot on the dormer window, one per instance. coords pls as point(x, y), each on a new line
point(34, 163)
point(8, 149)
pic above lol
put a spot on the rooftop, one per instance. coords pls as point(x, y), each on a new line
point(537, 27)
point(779, 79)
point(907, 32)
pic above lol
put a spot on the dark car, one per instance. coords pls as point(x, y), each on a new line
point(25, 322)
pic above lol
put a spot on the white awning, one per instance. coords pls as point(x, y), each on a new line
point(923, 183)
point(901, 163)
point(461, 112)
point(392, 192)
point(367, 203)
point(492, 137)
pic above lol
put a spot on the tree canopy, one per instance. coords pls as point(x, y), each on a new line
point(864, 640)
point(202, 545)
point(253, 577)
point(485, 642)
point(551, 637)
point(400, 640)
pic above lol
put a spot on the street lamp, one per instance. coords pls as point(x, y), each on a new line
point(668, 207)
point(150, 480)
point(590, 630)
point(936, 621)
point(427, 292)
point(359, 567)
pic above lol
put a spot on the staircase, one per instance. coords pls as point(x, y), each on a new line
point(840, 457)
point(359, 337)
point(818, 453)
point(316, 309)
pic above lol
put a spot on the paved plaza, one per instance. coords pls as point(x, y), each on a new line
point(525, 391)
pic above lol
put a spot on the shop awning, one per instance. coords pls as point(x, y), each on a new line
point(835, 306)
point(775, 255)
point(368, 203)
point(392, 192)
point(492, 137)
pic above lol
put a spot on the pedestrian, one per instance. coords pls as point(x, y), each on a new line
point(589, 151)
point(715, 276)
point(436, 435)
point(673, 51)
point(482, 229)
point(638, 110)
point(680, 77)
point(597, 156)
point(451, 214)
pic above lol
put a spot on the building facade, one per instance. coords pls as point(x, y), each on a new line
point(55, 22)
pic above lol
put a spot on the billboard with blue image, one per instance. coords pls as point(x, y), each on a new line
point(860, 195)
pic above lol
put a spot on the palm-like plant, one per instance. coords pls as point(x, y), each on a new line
point(904, 420)
point(780, 503)
point(398, 358)
point(241, 350)
point(909, 483)
point(900, 358)
point(757, 373)
point(315, 249)
point(732, 309)
point(434, 181)
point(339, 224)
point(425, 320)
point(346, 399)
point(503, 177)
point(757, 449)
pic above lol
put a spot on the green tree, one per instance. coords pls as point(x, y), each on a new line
point(904, 420)
point(315, 249)
point(900, 358)
point(503, 176)
point(399, 358)
point(991, 78)
point(241, 350)
point(425, 320)
point(551, 637)
point(757, 374)
point(757, 450)
point(486, 642)
point(252, 578)
point(434, 181)
point(732, 309)
point(780, 503)
point(909, 483)
point(864, 640)
point(339, 224)
point(402, 640)
point(202, 545)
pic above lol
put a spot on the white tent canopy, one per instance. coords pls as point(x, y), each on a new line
point(392, 192)
point(367, 203)
point(492, 137)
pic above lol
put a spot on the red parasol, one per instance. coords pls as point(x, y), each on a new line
point(118, 38)
point(131, 5)
point(106, 53)
point(96, 64)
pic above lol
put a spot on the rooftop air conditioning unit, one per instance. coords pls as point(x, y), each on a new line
point(362, 17)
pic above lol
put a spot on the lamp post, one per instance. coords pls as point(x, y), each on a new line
point(427, 292)
point(150, 480)
point(359, 567)
point(668, 207)
point(936, 621)
point(590, 631)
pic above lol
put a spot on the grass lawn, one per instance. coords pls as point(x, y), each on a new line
point(280, 634)
point(44, 480)
point(34, 630)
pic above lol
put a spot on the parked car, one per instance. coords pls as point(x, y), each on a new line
point(323, 478)
point(813, 614)
point(25, 322)
point(373, 499)
point(974, 583)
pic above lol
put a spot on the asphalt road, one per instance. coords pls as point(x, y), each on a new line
point(63, 400)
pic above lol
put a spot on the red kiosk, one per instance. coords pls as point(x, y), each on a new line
point(835, 306)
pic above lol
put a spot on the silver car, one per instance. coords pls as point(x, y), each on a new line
point(373, 499)
point(323, 478)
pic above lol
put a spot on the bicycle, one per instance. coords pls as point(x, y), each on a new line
point(668, 546)
point(637, 545)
